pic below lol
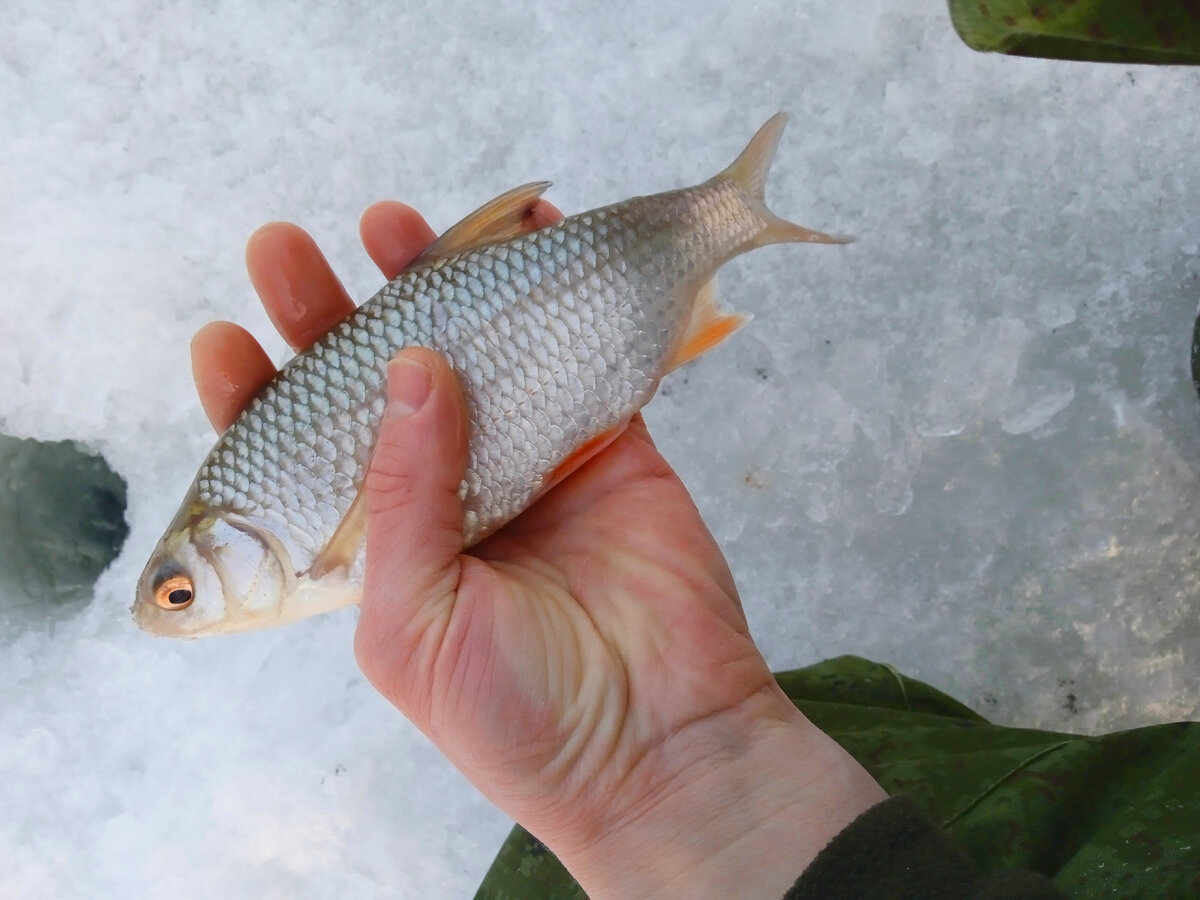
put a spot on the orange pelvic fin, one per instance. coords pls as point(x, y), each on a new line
point(583, 453)
point(706, 327)
point(498, 220)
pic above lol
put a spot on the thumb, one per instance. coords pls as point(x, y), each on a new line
point(414, 514)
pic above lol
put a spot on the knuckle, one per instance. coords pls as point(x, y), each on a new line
point(391, 487)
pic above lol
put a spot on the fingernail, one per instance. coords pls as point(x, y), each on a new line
point(409, 385)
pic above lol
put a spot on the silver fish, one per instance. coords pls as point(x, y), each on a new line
point(559, 336)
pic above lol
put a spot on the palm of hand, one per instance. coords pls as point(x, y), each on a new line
point(587, 646)
point(589, 649)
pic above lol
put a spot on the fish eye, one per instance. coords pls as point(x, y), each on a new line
point(176, 592)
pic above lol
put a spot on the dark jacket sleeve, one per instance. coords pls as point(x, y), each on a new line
point(893, 851)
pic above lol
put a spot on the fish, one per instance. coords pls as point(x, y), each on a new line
point(558, 337)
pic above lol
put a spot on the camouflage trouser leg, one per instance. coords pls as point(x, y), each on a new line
point(1111, 816)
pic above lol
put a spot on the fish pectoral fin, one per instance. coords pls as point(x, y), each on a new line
point(346, 541)
point(500, 219)
point(706, 327)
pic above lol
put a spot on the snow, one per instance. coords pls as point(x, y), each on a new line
point(966, 444)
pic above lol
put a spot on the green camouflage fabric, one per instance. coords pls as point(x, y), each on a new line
point(1110, 816)
point(1118, 31)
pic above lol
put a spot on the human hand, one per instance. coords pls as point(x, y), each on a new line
point(588, 666)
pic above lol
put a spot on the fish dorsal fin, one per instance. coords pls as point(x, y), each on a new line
point(500, 219)
point(346, 541)
point(706, 326)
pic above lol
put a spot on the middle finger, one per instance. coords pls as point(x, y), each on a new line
point(302, 296)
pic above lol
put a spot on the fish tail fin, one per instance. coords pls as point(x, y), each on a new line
point(749, 172)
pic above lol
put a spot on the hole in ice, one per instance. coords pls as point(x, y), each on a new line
point(62, 517)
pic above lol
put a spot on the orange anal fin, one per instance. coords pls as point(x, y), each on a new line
point(706, 327)
point(582, 454)
point(704, 339)
point(346, 541)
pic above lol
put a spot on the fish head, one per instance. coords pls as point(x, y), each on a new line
point(213, 572)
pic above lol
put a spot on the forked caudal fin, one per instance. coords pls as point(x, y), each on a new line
point(707, 324)
point(749, 172)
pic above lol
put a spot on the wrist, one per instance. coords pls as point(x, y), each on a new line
point(763, 793)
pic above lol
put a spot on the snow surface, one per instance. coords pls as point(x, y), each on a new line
point(966, 444)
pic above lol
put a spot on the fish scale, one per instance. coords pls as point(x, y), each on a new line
point(558, 337)
point(303, 401)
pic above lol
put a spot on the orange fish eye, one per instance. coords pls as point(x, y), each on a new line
point(176, 592)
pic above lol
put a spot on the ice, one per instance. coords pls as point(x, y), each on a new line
point(966, 444)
